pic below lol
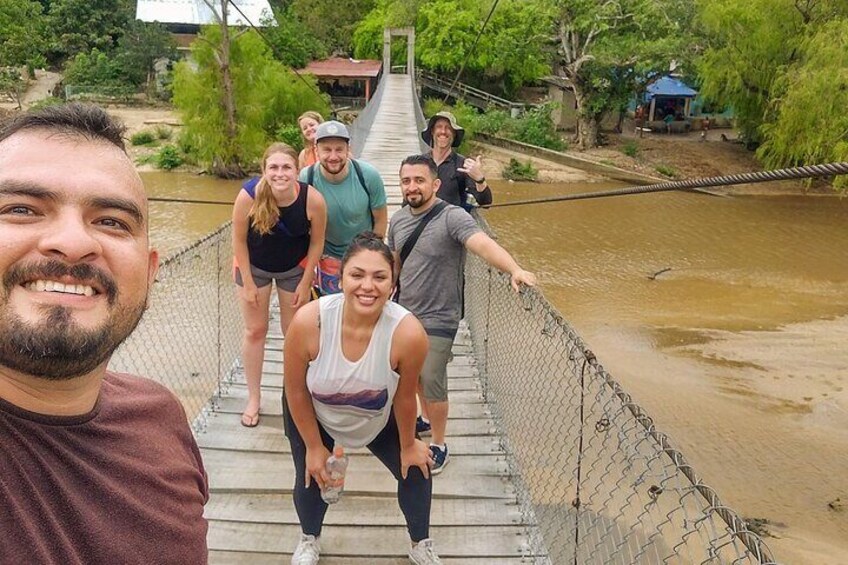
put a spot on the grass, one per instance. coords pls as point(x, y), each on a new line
point(143, 137)
point(631, 148)
point(516, 170)
point(163, 132)
point(666, 171)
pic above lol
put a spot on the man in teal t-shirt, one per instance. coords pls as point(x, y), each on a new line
point(351, 207)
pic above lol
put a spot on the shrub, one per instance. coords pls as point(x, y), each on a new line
point(44, 102)
point(493, 121)
point(143, 137)
point(168, 158)
point(434, 106)
point(537, 128)
point(290, 134)
point(631, 148)
point(163, 132)
point(516, 170)
point(666, 171)
point(94, 69)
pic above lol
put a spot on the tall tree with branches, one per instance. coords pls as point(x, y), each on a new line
point(608, 50)
point(223, 166)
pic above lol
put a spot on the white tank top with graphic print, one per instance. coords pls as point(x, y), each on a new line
point(353, 400)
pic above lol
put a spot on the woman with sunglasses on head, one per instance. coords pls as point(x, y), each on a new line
point(278, 236)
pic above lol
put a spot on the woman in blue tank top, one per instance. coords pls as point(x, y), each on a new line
point(351, 366)
point(278, 236)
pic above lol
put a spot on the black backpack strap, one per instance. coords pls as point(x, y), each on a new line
point(358, 170)
point(310, 176)
point(413, 239)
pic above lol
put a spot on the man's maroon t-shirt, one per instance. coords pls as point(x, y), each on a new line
point(121, 484)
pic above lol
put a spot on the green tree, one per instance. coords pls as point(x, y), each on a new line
point(95, 69)
point(808, 122)
point(510, 53)
point(331, 22)
point(141, 45)
point(291, 45)
point(607, 51)
point(78, 26)
point(22, 27)
point(266, 95)
point(752, 47)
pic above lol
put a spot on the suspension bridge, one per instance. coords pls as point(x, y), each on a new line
point(552, 461)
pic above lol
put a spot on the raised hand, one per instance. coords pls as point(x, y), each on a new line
point(473, 168)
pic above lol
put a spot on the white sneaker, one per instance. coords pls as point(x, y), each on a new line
point(307, 552)
point(422, 553)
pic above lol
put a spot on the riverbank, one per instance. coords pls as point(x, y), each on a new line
point(684, 156)
point(653, 158)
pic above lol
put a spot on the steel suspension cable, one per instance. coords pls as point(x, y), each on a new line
point(470, 51)
point(810, 171)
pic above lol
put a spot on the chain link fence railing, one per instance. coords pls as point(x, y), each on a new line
point(190, 336)
point(599, 481)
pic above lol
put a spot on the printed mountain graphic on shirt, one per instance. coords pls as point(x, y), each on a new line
point(365, 399)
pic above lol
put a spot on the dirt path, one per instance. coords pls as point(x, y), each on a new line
point(42, 87)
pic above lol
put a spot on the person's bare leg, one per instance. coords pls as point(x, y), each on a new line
point(438, 420)
point(253, 350)
point(286, 309)
point(422, 402)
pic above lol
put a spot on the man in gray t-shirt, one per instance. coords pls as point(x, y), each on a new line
point(430, 279)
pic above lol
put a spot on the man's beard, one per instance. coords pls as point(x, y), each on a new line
point(421, 201)
point(56, 348)
point(341, 167)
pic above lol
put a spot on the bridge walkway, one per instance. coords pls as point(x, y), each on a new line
point(475, 517)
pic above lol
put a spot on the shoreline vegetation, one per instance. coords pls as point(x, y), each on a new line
point(685, 156)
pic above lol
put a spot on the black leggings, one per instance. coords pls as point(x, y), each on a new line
point(414, 492)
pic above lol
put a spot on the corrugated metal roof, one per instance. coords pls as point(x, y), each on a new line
point(197, 12)
point(340, 67)
point(670, 86)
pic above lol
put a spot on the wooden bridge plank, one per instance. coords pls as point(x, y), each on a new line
point(226, 433)
point(474, 514)
point(261, 472)
point(366, 510)
point(380, 541)
point(272, 404)
point(253, 558)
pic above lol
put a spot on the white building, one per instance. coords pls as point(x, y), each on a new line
point(183, 18)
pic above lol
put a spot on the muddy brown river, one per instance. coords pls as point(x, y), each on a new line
point(726, 318)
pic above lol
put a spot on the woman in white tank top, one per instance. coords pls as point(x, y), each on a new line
point(351, 365)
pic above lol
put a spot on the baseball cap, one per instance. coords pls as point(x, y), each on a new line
point(331, 129)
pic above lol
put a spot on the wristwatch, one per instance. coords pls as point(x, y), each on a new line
point(481, 181)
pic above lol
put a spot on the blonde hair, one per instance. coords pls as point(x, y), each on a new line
point(309, 114)
point(265, 212)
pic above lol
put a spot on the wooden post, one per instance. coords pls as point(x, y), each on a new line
point(410, 50)
point(387, 50)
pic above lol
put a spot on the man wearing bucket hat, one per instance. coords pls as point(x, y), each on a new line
point(355, 196)
point(459, 175)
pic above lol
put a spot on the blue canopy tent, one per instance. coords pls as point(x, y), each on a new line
point(669, 96)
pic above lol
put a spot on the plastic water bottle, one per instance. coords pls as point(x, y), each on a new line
point(336, 467)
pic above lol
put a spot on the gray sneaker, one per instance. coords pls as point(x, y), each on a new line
point(307, 552)
point(422, 553)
